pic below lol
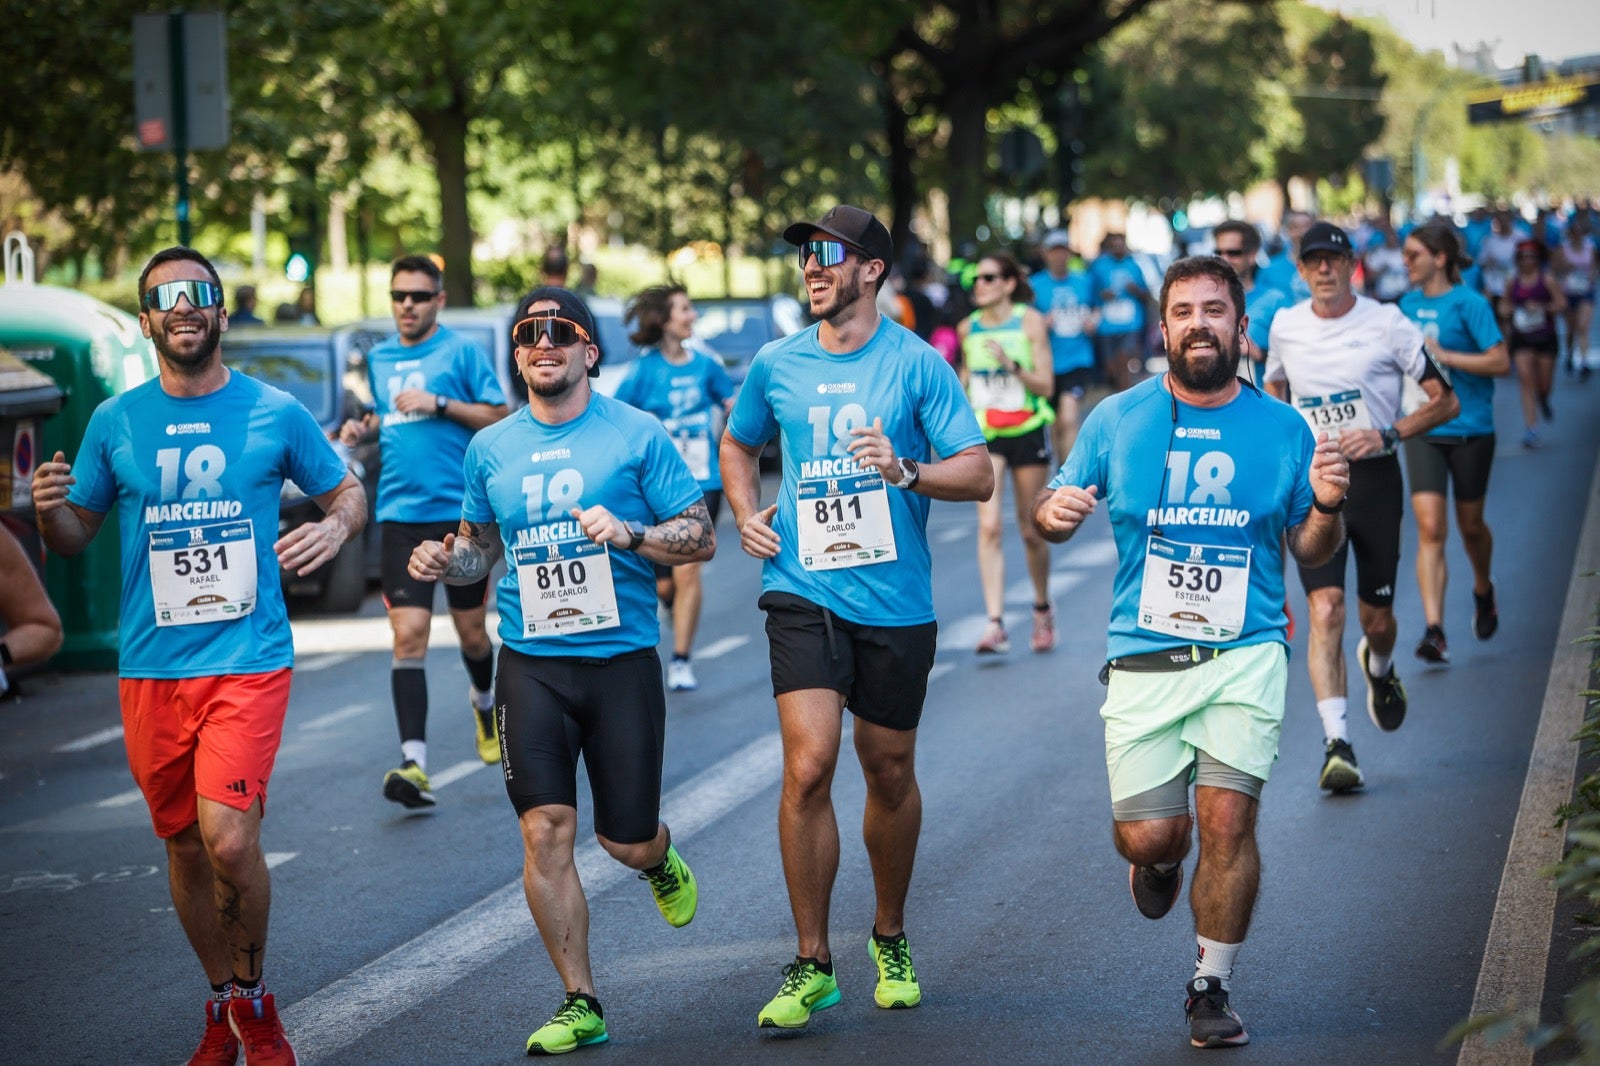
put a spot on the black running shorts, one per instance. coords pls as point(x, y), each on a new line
point(1436, 464)
point(1372, 512)
point(612, 711)
point(1027, 449)
point(882, 671)
point(395, 543)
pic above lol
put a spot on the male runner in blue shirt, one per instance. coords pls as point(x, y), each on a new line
point(1205, 479)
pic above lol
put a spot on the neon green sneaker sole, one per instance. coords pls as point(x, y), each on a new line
point(897, 977)
point(805, 991)
point(483, 724)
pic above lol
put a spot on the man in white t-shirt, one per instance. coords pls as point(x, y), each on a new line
point(1341, 360)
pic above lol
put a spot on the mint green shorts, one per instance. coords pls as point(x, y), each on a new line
point(1230, 707)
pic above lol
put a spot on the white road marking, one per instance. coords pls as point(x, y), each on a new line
point(965, 631)
point(318, 636)
point(276, 859)
point(333, 717)
point(939, 670)
point(1518, 949)
point(93, 740)
point(721, 647)
point(955, 533)
point(122, 799)
point(322, 662)
point(451, 774)
point(340, 1014)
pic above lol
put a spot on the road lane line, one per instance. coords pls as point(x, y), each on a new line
point(278, 858)
point(93, 740)
point(122, 799)
point(451, 774)
point(1517, 953)
point(721, 647)
point(939, 670)
point(334, 717)
point(313, 663)
point(341, 1013)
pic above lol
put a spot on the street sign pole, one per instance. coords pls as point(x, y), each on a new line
point(180, 121)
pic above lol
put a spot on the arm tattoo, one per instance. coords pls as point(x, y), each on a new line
point(686, 533)
point(476, 550)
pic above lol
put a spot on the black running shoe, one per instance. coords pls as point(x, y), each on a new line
point(1544, 409)
point(1432, 647)
point(1339, 770)
point(1386, 696)
point(1485, 615)
point(1154, 893)
point(1212, 1023)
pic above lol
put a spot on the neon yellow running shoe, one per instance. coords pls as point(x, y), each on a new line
point(672, 884)
point(577, 1023)
point(483, 723)
point(408, 786)
point(897, 978)
point(806, 990)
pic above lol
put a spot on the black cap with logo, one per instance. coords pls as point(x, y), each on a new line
point(570, 306)
point(855, 227)
point(1325, 237)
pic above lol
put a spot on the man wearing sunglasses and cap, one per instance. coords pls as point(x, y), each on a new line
point(581, 494)
point(193, 462)
point(1341, 360)
point(861, 404)
point(432, 389)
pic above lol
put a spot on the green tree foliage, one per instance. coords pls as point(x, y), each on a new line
point(1337, 86)
point(1191, 104)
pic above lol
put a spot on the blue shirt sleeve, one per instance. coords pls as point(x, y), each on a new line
point(946, 415)
point(96, 488)
point(476, 376)
point(631, 389)
point(670, 489)
point(1300, 496)
point(1086, 464)
point(1481, 324)
point(475, 497)
point(752, 422)
point(312, 463)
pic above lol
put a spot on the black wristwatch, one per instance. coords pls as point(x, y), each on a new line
point(1320, 506)
point(440, 403)
point(636, 531)
point(1391, 438)
point(909, 472)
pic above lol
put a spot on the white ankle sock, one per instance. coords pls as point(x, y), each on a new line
point(1377, 665)
point(416, 751)
point(1331, 711)
point(1215, 960)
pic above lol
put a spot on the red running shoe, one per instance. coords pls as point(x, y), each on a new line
point(219, 1047)
point(255, 1022)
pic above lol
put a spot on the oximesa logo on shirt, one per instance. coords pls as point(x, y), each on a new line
point(833, 388)
point(175, 429)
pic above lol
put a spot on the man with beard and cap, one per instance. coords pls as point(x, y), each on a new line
point(432, 389)
point(193, 462)
point(580, 493)
point(1341, 360)
point(1205, 479)
point(861, 404)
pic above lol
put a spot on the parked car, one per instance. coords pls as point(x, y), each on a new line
point(326, 371)
point(737, 327)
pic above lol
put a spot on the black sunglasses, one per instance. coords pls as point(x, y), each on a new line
point(561, 331)
point(416, 296)
point(991, 278)
point(1232, 252)
point(200, 294)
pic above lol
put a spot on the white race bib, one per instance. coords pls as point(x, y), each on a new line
point(203, 573)
point(565, 587)
point(1121, 311)
point(695, 448)
point(1194, 591)
point(1528, 319)
point(996, 390)
point(844, 521)
point(1334, 414)
point(1067, 321)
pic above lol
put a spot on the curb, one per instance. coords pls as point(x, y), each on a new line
point(1517, 953)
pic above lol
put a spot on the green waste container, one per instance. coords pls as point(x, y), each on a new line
point(27, 398)
point(91, 351)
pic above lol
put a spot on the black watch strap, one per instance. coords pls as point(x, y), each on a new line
point(1320, 506)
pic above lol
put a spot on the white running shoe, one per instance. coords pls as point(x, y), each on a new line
point(680, 676)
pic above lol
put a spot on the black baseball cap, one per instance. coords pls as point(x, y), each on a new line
point(855, 227)
point(1325, 237)
point(570, 306)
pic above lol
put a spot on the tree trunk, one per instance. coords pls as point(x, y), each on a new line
point(445, 131)
point(968, 156)
point(902, 175)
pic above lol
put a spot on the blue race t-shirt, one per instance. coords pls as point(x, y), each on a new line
point(196, 481)
point(816, 397)
point(1066, 304)
point(527, 476)
point(422, 451)
point(684, 398)
point(1280, 273)
point(1233, 477)
point(1462, 321)
point(1123, 311)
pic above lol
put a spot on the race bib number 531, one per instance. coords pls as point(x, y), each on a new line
point(203, 573)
